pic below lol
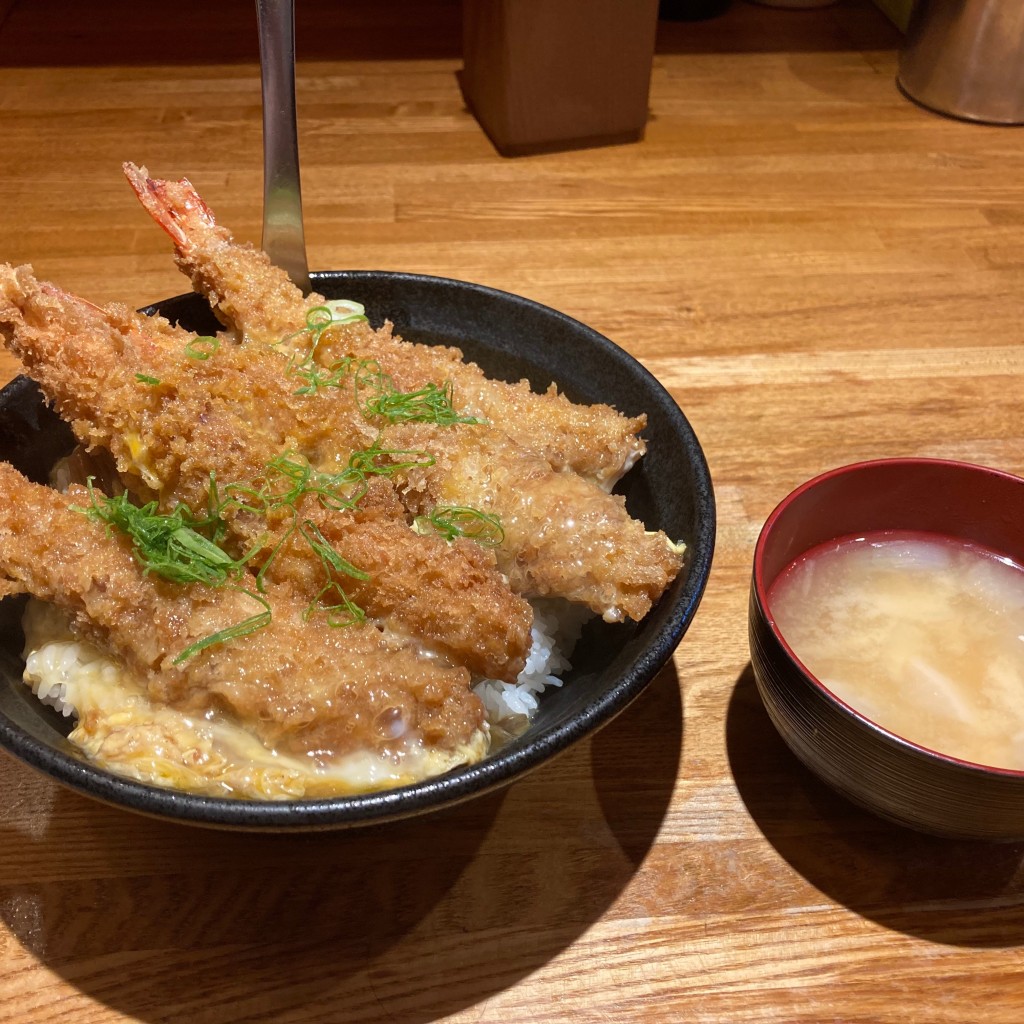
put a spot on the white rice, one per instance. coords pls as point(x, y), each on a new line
point(556, 628)
point(57, 666)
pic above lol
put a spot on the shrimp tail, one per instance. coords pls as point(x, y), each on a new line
point(175, 205)
point(248, 294)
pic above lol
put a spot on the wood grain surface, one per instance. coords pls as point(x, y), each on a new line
point(819, 271)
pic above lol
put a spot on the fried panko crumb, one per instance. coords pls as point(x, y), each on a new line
point(231, 414)
point(302, 687)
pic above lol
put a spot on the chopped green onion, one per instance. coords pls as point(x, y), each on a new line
point(431, 403)
point(318, 318)
point(364, 462)
point(451, 521)
point(169, 546)
point(202, 347)
point(375, 391)
point(345, 311)
point(330, 558)
point(250, 625)
point(344, 612)
point(288, 478)
point(333, 313)
point(144, 378)
point(317, 377)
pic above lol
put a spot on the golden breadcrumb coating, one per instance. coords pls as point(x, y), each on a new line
point(232, 414)
point(593, 440)
point(562, 536)
point(259, 302)
point(303, 687)
point(243, 287)
point(329, 509)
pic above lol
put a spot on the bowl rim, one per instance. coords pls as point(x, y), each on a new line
point(459, 785)
point(761, 594)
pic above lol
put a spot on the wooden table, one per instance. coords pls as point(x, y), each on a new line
point(818, 270)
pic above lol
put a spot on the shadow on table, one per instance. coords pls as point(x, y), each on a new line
point(423, 917)
point(954, 892)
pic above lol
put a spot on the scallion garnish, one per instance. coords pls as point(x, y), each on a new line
point(317, 377)
point(375, 391)
point(287, 479)
point(330, 558)
point(451, 521)
point(183, 548)
point(343, 612)
point(333, 313)
point(202, 347)
point(250, 625)
point(170, 546)
point(365, 462)
point(345, 311)
point(377, 396)
point(167, 545)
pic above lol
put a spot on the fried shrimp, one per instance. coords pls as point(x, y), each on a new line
point(596, 555)
point(136, 386)
point(319, 559)
point(258, 302)
point(306, 689)
point(560, 535)
point(244, 289)
point(594, 441)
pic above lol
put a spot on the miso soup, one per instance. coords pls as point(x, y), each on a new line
point(922, 634)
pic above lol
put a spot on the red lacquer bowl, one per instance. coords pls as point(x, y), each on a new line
point(891, 776)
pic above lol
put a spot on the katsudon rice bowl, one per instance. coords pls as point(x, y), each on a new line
point(205, 722)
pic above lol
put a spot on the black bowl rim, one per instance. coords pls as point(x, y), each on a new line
point(764, 607)
point(439, 791)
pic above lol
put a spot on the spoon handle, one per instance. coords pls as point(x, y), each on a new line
point(283, 238)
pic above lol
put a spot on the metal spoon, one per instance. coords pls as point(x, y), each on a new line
point(283, 238)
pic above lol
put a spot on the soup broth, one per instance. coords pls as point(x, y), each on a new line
point(922, 634)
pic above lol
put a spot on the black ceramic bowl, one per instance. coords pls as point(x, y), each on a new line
point(883, 772)
point(511, 338)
